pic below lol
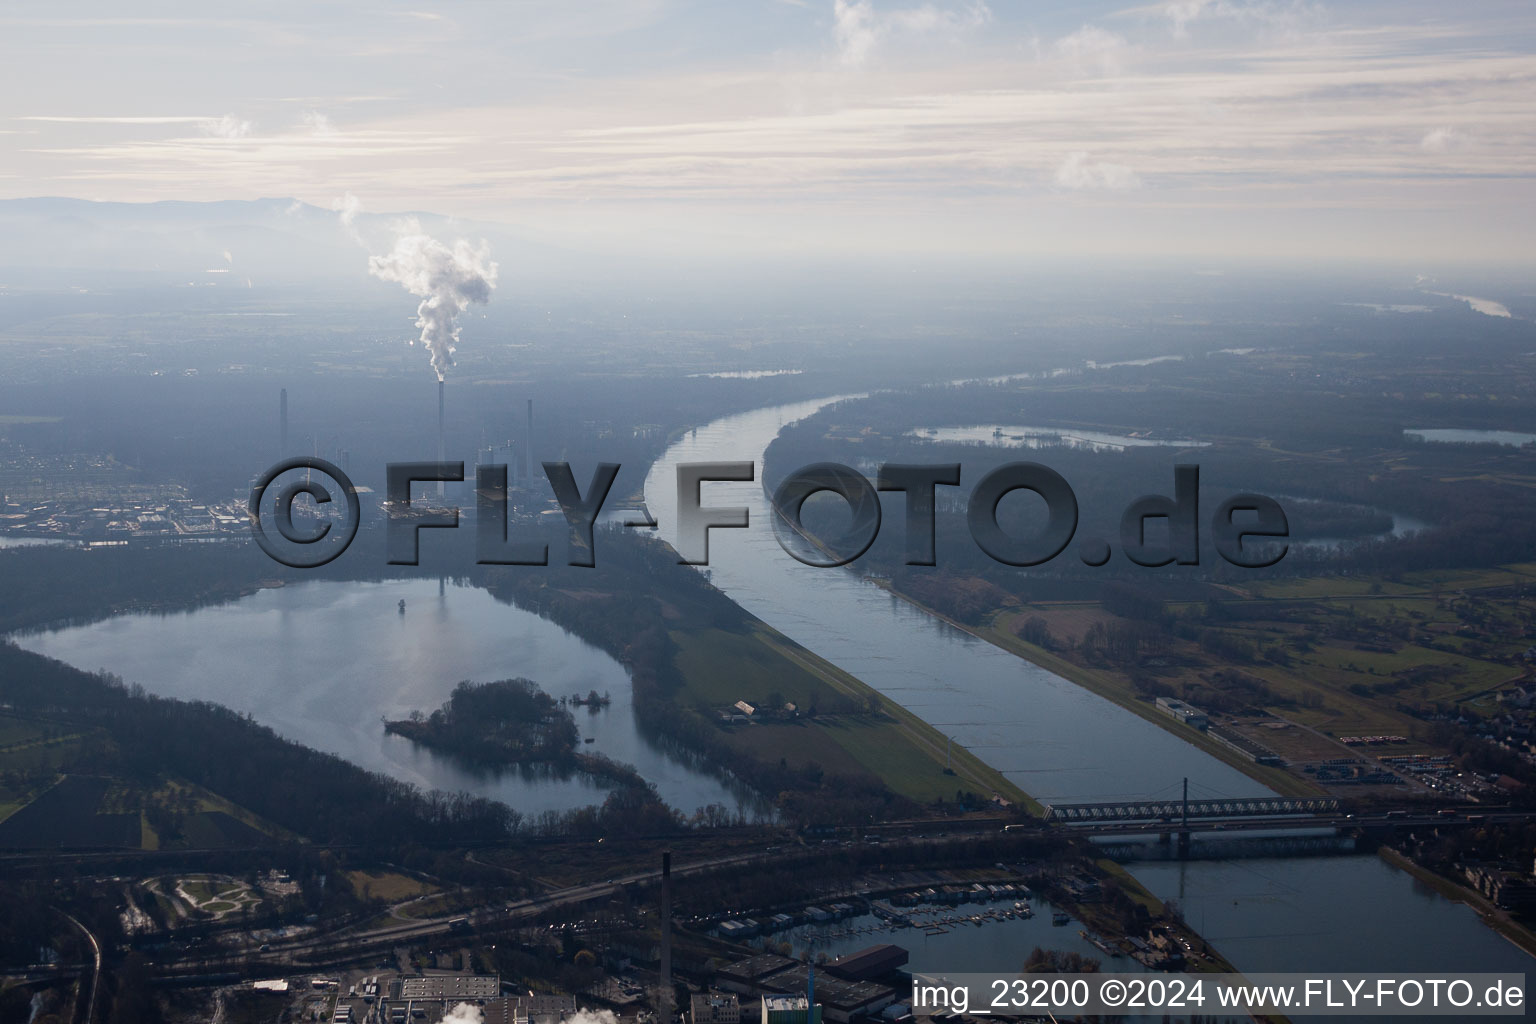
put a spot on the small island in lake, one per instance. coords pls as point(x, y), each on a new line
point(509, 722)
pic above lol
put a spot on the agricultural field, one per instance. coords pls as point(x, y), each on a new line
point(721, 667)
point(389, 886)
point(843, 726)
point(67, 816)
point(40, 807)
point(1298, 665)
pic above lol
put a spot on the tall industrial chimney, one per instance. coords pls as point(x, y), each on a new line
point(664, 1000)
point(282, 422)
point(528, 446)
point(440, 448)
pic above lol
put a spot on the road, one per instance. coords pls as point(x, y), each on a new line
point(90, 1003)
point(1292, 823)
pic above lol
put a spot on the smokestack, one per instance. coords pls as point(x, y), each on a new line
point(440, 449)
point(664, 1003)
point(282, 422)
point(528, 446)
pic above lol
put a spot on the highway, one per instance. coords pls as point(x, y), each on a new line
point(1289, 823)
point(348, 944)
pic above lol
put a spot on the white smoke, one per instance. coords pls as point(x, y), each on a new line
point(447, 280)
point(464, 1013)
point(585, 1016)
point(347, 207)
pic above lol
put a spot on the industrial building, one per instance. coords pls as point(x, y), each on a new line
point(872, 964)
point(707, 1008)
point(529, 1009)
point(837, 999)
point(1186, 713)
point(425, 999)
point(789, 1010)
point(853, 986)
point(745, 976)
point(457, 987)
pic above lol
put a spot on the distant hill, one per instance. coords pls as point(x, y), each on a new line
point(60, 242)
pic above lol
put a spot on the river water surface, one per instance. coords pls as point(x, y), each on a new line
point(1058, 741)
point(323, 662)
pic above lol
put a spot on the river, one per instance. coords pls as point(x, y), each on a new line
point(1058, 741)
point(322, 662)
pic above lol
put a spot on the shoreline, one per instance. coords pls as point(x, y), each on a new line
point(1449, 889)
point(1277, 779)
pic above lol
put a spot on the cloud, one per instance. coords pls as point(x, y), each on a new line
point(1442, 140)
point(178, 119)
point(318, 124)
point(1092, 48)
point(227, 127)
point(1079, 173)
point(1182, 12)
point(859, 28)
point(1287, 14)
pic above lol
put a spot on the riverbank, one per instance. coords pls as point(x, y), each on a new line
point(1103, 685)
point(1495, 918)
point(696, 659)
point(965, 766)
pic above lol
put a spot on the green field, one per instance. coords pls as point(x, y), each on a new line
point(389, 886)
point(1337, 655)
point(33, 752)
point(719, 668)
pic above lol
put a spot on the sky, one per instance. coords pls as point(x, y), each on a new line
point(1369, 131)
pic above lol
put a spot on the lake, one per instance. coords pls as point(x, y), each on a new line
point(323, 663)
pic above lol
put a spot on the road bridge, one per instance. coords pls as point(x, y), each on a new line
point(1185, 809)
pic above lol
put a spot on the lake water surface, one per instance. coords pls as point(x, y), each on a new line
point(324, 663)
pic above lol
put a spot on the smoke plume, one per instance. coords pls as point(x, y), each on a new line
point(447, 280)
point(585, 1016)
point(464, 1013)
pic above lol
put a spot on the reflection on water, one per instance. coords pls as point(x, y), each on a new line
point(747, 374)
point(1000, 946)
point(1004, 436)
point(324, 663)
point(1455, 435)
point(1045, 734)
point(1057, 741)
point(1354, 913)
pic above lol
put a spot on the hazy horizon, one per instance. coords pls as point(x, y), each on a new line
point(1263, 133)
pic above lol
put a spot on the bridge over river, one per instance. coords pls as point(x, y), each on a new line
point(1167, 810)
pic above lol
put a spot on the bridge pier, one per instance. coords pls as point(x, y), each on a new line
point(1184, 845)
